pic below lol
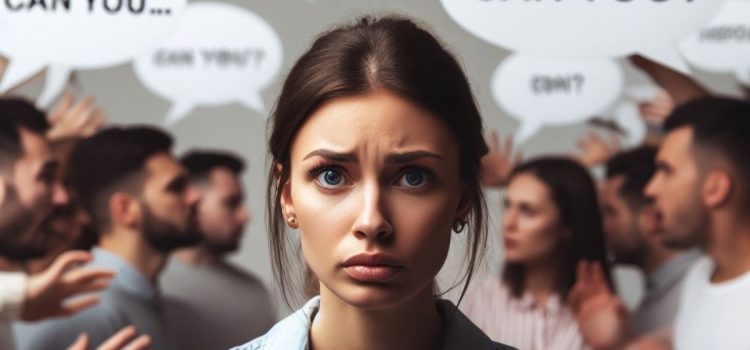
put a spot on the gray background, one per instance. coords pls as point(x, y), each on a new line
point(242, 130)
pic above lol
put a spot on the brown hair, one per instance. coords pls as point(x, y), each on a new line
point(389, 53)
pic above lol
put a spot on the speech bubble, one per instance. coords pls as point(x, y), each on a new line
point(585, 29)
point(723, 46)
point(541, 92)
point(63, 35)
point(219, 54)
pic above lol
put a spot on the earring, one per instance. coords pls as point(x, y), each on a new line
point(460, 225)
point(292, 221)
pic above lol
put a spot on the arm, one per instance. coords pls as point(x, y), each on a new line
point(680, 87)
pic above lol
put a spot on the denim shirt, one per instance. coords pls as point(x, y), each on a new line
point(292, 332)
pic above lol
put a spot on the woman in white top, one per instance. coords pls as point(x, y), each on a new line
point(551, 222)
point(376, 145)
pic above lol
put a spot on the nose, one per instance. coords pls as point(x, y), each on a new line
point(192, 196)
point(652, 187)
point(371, 223)
point(243, 215)
point(60, 195)
point(510, 220)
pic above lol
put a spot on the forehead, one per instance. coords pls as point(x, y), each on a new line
point(377, 121)
point(676, 147)
point(162, 168)
point(34, 145)
point(527, 188)
point(223, 180)
point(611, 187)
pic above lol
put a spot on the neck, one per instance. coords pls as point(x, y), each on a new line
point(656, 257)
point(540, 281)
point(729, 247)
point(199, 255)
point(414, 324)
point(133, 248)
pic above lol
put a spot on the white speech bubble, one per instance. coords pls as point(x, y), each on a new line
point(723, 46)
point(63, 35)
point(219, 54)
point(541, 92)
point(585, 29)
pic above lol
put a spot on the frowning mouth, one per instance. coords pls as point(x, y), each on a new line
point(372, 267)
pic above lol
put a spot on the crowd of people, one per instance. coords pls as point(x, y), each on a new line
point(378, 157)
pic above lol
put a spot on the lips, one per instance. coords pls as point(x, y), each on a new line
point(372, 267)
point(510, 243)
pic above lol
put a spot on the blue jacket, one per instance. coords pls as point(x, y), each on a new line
point(292, 332)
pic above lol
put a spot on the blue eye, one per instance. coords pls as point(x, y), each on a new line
point(330, 178)
point(413, 178)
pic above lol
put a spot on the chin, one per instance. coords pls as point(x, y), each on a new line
point(373, 296)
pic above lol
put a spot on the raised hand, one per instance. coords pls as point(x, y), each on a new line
point(602, 317)
point(47, 291)
point(499, 163)
point(656, 110)
point(594, 150)
point(69, 120)
point(120, 341)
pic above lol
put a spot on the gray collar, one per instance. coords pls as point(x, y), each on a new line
point(127, 278)
point(670, 273)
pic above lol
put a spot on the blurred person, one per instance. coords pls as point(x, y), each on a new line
point(551, 222)
point(140, 201)
point(633, 228)
point(28, 189)
point(217, 304)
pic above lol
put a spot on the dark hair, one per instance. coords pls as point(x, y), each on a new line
point(637, 166)
point(110, 161)
point(574, 193)
point(16, 113)
point(388, 53)
point(200, 163)
point(721, 126)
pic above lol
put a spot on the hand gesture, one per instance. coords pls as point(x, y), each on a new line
point(70, 121)
point(498, 164)
point(119, 341)
point(602, 317)
point(594, 150)
point(47, 291)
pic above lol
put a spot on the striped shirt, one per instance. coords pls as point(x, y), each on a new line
point(521, 322)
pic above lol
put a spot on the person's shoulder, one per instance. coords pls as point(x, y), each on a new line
point(290, 333)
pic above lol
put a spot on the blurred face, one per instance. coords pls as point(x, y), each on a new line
point(531, 222)
point(621, 228)
point(375, 189)
point(169, 205)
point(675, 189)
point(222, 214)
point(29, 198)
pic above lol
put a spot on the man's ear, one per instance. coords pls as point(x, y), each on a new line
point(125, 210)
point(717, 188)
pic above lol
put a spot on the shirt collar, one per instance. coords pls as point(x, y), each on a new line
point(126, 278)
point(553, 305)
point(671, 272)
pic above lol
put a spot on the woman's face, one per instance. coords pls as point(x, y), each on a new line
point(531, 223)
point(375, 189)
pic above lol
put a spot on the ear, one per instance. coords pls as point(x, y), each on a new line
point(649, 220)
point(464, 204)
point(2, 190)
point(717, 188)
point(287, 205)
point(124, 210)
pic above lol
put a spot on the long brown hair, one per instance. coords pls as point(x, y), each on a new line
point(388, 53)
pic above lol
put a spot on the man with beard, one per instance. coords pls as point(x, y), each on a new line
point(29, 189)
point(140, 201)
point(633, 228)
point(228, 304)
point(702, 189)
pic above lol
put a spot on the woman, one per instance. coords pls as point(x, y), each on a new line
point(376, 146)
point(550, 224)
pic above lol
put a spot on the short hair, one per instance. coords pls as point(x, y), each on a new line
point(722, 126)
point(102, 165)
point(16, 113)
point(637, 166)
point(200, 163)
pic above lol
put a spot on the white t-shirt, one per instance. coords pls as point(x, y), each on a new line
point(713, 315)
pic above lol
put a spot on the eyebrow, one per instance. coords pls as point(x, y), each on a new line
point(49, 166)
point(177, 182)
point(393, 158)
